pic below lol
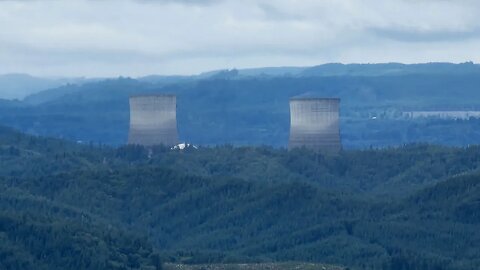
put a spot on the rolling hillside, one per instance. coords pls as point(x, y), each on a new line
point(239, 205)
point(254, 110)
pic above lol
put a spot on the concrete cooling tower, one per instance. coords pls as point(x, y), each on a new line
point(314, 124)
point(153, 120)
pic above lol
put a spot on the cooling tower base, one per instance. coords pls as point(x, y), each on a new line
point(142, 137)
point(153, 120)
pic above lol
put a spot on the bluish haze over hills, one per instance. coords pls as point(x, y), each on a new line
point(404, 193)
point(18, 86)
point(250, 107)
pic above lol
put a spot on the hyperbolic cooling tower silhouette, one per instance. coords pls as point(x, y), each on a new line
point(153, 120)
point(314, 124)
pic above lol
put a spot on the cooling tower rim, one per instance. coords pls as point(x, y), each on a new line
point(152, 95)
point(315, 98)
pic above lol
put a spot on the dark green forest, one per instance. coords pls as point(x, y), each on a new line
point(65, 205)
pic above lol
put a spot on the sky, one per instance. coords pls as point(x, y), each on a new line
point(106, 38)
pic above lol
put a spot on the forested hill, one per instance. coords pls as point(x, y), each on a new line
point(252, 109)
point(67, 205)
point(41, 233)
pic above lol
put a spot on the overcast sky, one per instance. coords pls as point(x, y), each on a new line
point(139, 37)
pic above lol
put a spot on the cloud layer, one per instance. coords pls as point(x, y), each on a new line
point(138, 37)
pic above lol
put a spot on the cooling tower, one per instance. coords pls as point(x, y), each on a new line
point(153, 120)
point(314, 124)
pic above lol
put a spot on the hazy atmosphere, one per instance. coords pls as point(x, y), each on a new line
point(240, 135)
point(134, 38)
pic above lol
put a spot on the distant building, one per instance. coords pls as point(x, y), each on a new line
point(465, 115)
point(153, 120)
point(314, 124)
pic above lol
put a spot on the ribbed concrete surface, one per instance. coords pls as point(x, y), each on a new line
point(153, 120)
point(314, 124)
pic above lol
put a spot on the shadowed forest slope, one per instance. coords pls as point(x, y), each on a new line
point(414, 207)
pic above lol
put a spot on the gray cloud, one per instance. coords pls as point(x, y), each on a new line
point(273, 13)
point(414, 35)
point(136, 37)
point(182, 2)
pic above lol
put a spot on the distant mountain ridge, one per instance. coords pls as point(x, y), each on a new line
point(337, 69)
point(228, 107)
point(19, 86)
